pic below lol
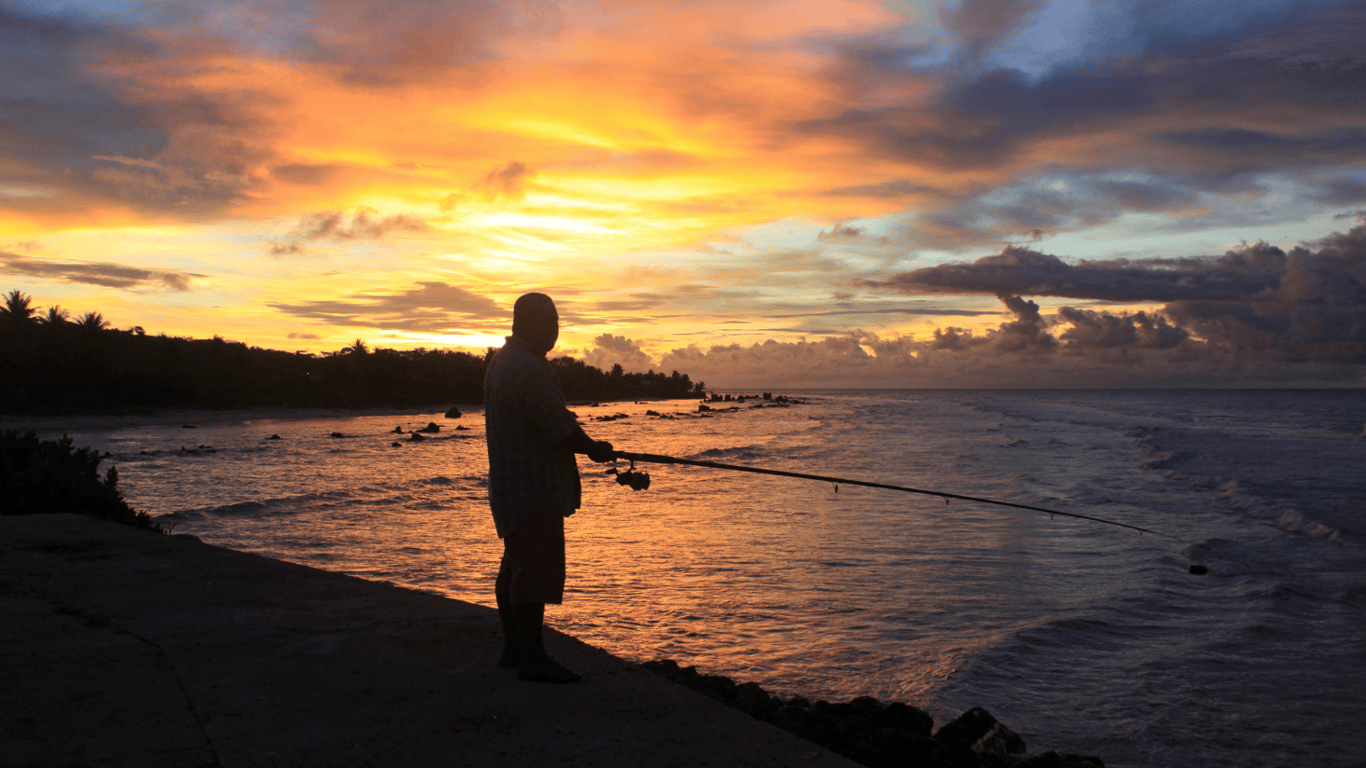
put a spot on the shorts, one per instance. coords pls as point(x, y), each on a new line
point(533, 558)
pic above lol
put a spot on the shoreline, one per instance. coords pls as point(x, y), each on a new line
point(178, 417)
point(117, 658)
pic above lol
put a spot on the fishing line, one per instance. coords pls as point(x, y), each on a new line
point(640, 481)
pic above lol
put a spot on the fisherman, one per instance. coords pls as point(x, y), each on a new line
point(533, 483)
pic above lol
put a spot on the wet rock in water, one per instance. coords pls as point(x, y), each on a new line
point(398, 430)
point(336, 434)
point(415, 437)
point(875, 734)
point(396, 444)
point(967, 728)
point(453, 413)
point(997, 747)
point(431, 428)
point(1060, 760)
point(274, 437)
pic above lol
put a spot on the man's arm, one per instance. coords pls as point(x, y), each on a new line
point(578, 441)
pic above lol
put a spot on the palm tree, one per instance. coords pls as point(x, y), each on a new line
point(92, 321)
point(357, 348)
point(55, 316)
point(17, 309)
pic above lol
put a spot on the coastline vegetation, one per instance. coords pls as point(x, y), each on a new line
point(50, 476)
point(54, 363)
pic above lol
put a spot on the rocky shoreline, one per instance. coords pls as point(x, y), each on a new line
point(879, 735)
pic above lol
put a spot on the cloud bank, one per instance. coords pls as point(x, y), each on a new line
point(1256, 316)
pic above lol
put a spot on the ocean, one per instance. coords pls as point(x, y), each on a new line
point(1079, 635)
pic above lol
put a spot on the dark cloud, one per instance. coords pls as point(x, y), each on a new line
point(384, 43)
point(1197, 109)
point(507, 182)
point(841, 233)
point(96, 273)
point(1343, 192)
point(1260, 301)
point(885, 190)
point(888, 310)
point(332, 226)
point(1022, 271)
point(982, 24)
point(1245, 146)
point(83, 122)
point(434, 307)
point(308, 175)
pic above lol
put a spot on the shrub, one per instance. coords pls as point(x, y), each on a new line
point(47, 476)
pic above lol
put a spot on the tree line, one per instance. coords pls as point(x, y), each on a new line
point(54, 363)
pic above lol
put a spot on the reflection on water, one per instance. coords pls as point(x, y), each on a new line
point(1061, 627)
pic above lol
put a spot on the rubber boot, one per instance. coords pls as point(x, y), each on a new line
point(536, 664)
point(512, 645)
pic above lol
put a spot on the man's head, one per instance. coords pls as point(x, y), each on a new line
point(535, 322)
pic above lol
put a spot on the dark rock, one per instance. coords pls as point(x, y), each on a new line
point(415, 437)
point(967, 728)
point(914, 721)
point(874, 734)
point(453, 413)
point(998, 744)
point(754, 700)
point(398, 430)
point(431, 428)
point(1060, 760)
point(336, 434)
point(189, 426)
point(274, 437)
point(793, 719)
point(718, 687)
point(395, 444)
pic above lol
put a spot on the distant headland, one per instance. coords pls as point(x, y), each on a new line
point(56, 364)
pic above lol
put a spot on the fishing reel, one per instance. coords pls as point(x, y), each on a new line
point(639, 481)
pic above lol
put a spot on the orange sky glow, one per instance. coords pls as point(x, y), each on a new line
point(855, 191)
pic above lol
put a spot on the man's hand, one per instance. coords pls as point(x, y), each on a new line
point(578, 442)
point(602, 452)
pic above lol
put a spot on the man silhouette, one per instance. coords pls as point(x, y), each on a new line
point(533, 483)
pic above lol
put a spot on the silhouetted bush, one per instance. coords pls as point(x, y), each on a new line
point(49, 476)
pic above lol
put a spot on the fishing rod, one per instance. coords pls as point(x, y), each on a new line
point(641, 481)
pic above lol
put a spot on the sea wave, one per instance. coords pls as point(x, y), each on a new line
point(263, 507)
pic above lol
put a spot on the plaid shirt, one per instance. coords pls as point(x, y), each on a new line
point(524, 412)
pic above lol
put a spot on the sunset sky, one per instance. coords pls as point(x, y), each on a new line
point(783, 193)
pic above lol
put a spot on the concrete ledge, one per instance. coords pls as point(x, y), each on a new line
point(120, 647)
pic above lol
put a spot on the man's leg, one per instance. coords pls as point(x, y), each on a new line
point(536, 664)
point(534, 555)
point(512, 646)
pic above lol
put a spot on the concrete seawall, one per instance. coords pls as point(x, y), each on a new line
point(120, 647)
